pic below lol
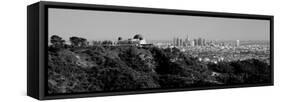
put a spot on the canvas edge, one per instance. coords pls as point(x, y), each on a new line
point(42, 30)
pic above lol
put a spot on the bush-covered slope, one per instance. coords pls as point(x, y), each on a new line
point(120, 68)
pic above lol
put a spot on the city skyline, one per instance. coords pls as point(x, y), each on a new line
point(101, 25)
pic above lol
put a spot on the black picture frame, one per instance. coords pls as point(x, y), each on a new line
point(37, 39)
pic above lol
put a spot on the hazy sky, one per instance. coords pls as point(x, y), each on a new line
point(106, 25)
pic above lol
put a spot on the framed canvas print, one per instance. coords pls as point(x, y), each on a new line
point(82, 50)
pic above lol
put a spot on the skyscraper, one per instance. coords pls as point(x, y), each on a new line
point(237, 43)
point(181, 43)
point(200, 42)
point(203, 42)
point(195, 42)
point(178, 42)
point(174, 41)
point(192, 43)
point(186, 42)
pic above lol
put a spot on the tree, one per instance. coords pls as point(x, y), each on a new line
point(222, 67)
point(95, 43)
point(57, 41)
point(78, 42)
point(74, 41)
point(83, 42)
point(107, 42)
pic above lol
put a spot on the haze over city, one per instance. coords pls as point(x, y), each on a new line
point(101, 25)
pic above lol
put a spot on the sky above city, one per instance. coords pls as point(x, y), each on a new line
point(107, 25)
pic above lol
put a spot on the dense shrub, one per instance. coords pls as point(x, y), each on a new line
point(119, 68)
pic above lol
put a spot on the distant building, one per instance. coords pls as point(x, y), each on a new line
point(195, 42)
point(142, 41)
point(181, 43)
point(203, 42)
point(174, 41)
point(187, 41)
point(178, 42)
point(192, 43)
point(237, 43)
point(200, 41)
point(187, 38)
point(137, 40)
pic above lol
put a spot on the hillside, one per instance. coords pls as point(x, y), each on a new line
point(121, 68)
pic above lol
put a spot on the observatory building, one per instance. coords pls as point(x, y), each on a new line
point(137, 40)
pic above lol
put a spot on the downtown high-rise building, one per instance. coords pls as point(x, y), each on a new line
point(187, 42)
point(195, 42)
point(177, 41)
point(192, 43)
point(181, 42)
point(174, 41)
point(184, 42)
point(200, 41)
point(203, 42)
point(237, 43)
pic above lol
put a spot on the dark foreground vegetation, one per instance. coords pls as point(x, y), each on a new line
point(119, 68)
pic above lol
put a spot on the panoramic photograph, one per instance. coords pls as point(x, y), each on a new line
point(103, 51)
